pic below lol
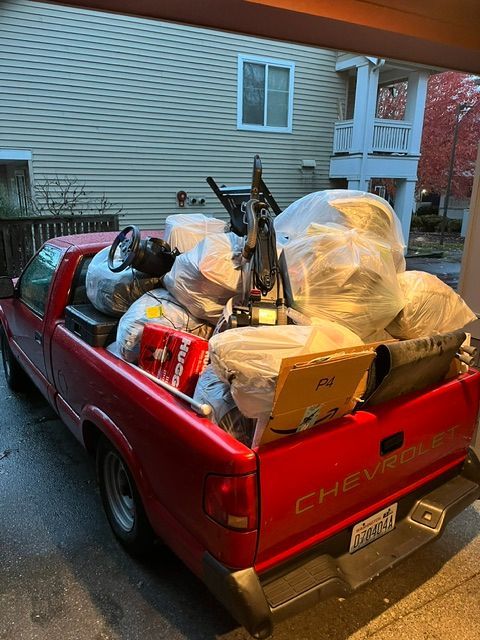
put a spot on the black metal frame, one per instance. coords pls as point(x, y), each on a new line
point(233, 197)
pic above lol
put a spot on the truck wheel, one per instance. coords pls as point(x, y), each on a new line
point(15, 376)
point(122, 502)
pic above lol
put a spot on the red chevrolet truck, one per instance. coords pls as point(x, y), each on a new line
point(270, 530)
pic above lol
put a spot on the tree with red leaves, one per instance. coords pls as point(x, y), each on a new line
point(392, 100)
point(446, 91)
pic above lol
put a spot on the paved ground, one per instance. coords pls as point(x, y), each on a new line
point(63, 577)
point(446, 270)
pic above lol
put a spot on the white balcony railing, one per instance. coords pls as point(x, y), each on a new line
point(342, 141)
point(389, 136)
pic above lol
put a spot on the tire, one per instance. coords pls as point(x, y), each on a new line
point(15, 376)
point(122, 502)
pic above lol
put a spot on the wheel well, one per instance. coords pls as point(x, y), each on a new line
point(91, 436)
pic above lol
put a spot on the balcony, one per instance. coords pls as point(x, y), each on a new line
point(389, 136)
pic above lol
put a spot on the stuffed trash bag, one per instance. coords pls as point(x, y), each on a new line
point(183, 231)
point(206, 277)
point(431, 307)
point(343, 276)
point(350, 209)
point(249, 358)
point(158, 307)
point(113, 293)
point(225, 413)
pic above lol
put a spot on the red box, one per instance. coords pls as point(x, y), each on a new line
point(177, 357)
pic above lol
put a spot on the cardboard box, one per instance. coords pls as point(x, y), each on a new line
point(315, 389)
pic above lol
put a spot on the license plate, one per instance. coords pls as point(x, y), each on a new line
point(373, 528)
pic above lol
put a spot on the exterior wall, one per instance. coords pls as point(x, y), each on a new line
point(141, 109)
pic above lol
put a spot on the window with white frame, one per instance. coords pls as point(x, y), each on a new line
point(265, 94)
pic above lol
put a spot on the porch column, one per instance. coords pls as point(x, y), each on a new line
point(360, 108)
point(404, 202)
point(415, 108)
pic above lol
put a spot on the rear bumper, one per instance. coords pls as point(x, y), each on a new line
point(258, 601)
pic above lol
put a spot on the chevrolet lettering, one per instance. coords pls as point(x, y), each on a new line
point(354, 480)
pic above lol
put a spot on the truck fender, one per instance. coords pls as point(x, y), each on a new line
point(94, 416)
point(4, 324)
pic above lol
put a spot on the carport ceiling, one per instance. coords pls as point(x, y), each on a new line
point(439, 33)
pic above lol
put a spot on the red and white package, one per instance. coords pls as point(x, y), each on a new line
point(176, 357)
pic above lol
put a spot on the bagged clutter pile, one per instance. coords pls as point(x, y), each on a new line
point(114, 293)
point(364, 212)
point(343, 253)
point(183, 231)
point(156, 307)
point(207, 276)
point(212, 390)
point(343, 276)
point(431, 307)
point(249, 358)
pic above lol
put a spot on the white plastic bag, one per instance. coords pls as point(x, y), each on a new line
point(157, 307)
point(359, 210)
point(183, 231)
point(431, 307)
point(213, 391)
point(249, 358)
point(113, 293)
point(204, 278)
point(343, 276)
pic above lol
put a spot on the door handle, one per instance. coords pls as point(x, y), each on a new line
point(391, 443)
point(37, 336)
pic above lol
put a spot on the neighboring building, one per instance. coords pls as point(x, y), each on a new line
point(369, 149)
point(141, 109)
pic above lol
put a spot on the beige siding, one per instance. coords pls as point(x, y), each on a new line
point(140, 109)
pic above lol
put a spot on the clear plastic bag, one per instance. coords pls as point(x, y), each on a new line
point(215, 392)
point(113, 293)
point(156, 306)
point(183, 231)
point(359, 210)
point(343, 276)
point(249, 358)
point(203, 279)
point(431, 307)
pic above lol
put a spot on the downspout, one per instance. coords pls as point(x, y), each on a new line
point(380, 62)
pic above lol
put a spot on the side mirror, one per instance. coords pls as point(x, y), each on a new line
point(7, 290)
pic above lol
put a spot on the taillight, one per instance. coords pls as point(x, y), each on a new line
point(232, 501)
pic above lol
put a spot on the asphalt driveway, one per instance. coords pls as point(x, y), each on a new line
point(63, 576)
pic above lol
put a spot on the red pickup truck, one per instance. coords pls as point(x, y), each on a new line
point(270, 530)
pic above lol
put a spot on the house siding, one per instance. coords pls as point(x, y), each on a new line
point(139, 109)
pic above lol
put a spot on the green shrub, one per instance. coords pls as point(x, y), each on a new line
point(454, 226)
point(416, 222)
point(431, 222)
point(426, 210)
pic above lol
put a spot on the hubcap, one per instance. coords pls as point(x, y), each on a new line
point(119, 492)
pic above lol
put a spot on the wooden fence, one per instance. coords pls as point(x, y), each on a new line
point(21, 237)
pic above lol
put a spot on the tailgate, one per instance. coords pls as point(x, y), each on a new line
point(314, 484)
